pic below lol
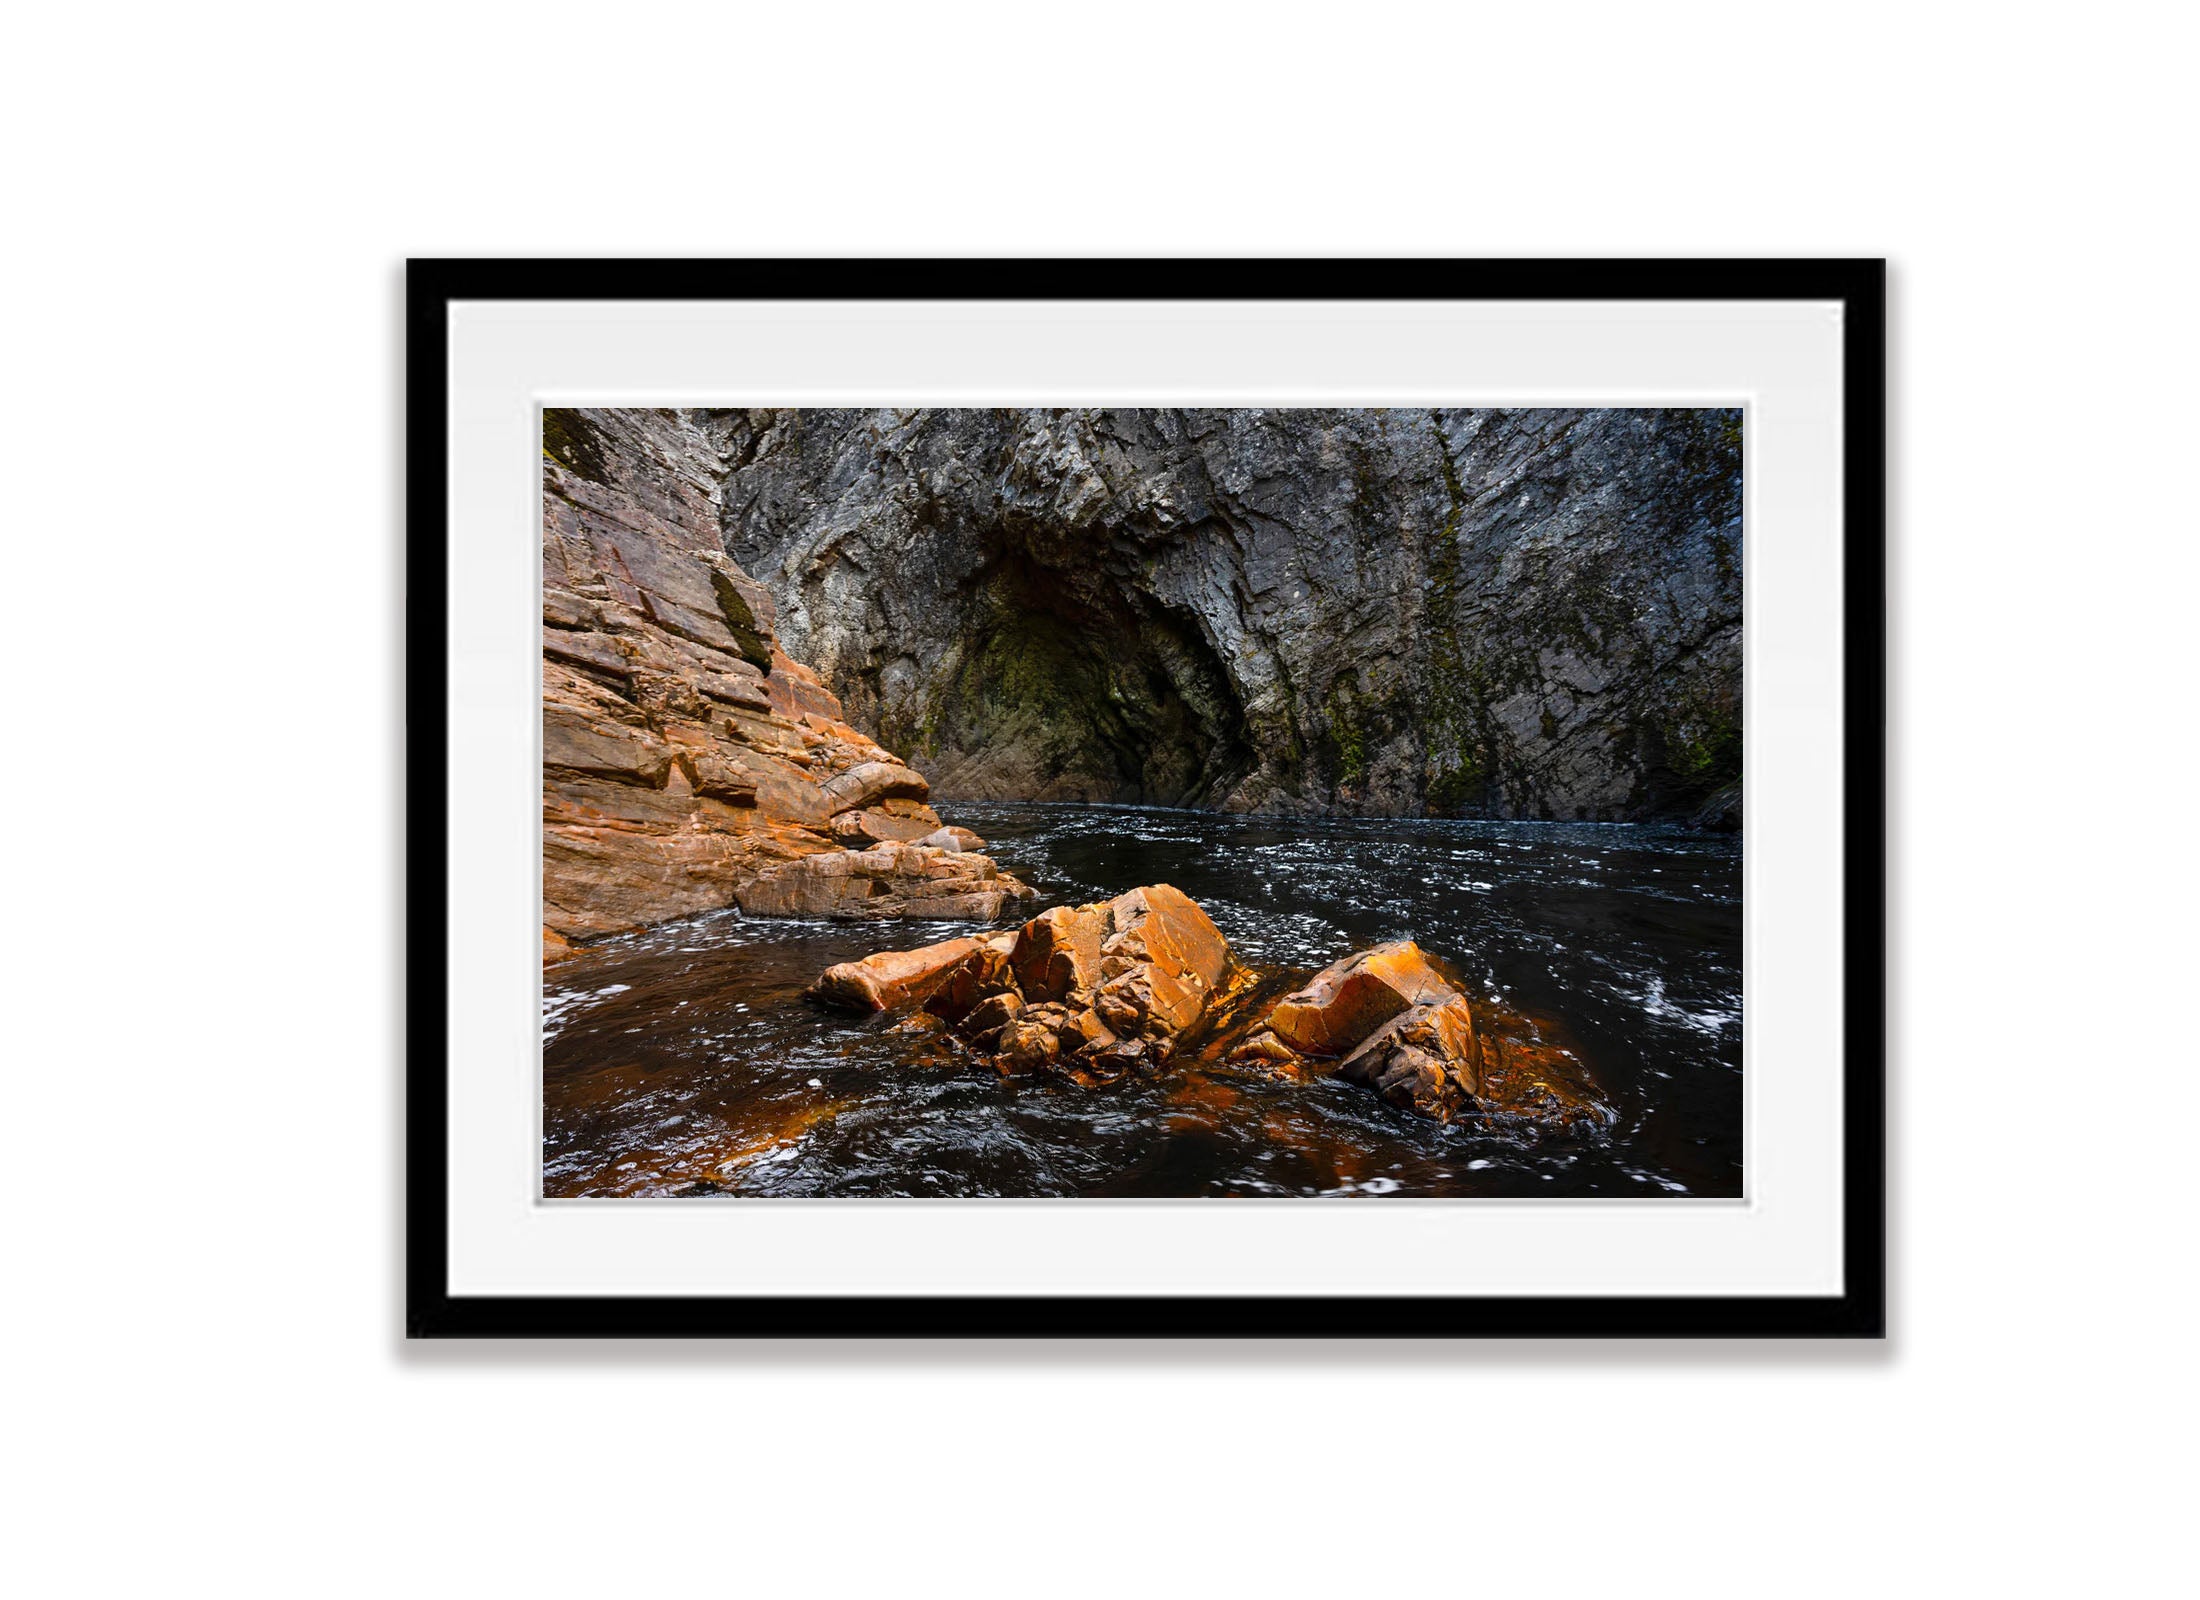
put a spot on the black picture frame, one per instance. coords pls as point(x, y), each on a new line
point(432, 1311)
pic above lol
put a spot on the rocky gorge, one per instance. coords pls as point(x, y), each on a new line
point(776, 642)
point(1504, 613)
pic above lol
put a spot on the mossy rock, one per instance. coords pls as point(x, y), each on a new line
point(741, 622)
point(572, 441)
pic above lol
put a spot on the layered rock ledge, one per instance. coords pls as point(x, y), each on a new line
point(689, 763)
point(1087, 995)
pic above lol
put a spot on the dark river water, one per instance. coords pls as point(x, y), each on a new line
point(683, 1060)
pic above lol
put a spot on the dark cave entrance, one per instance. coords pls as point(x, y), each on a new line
point(1072, 686)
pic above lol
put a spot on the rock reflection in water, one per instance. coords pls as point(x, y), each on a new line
point(684, 1061)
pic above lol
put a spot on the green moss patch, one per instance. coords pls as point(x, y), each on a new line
point(741, 622)
point(573, 442)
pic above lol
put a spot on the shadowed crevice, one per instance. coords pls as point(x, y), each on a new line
point(1069, 687)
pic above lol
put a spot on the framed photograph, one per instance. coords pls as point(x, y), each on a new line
point(1145, 798)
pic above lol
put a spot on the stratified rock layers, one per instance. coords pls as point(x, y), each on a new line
point(688, 763)
point(1531, 613)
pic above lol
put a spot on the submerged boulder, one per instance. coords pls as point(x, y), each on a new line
point(1349, 1000)
point(1086, 993)
point(1090, 994)
point(1392, 1019)
point(880, 982)
point(1161, 962)
point(1424, 1059)
point(1058, 952)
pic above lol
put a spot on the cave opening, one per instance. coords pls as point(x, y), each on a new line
point(1079, 686)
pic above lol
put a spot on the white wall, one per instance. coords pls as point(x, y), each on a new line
point(207, 208)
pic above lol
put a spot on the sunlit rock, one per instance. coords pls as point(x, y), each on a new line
point(1391, 1019)
point(912, 824)
point(983, 975)
point(1346, 1002)
point(689, 763)
point(1161, 962)
point(1058, 952)
point(1424, 1059)
point(890, 978)
point(1083, 993)
point(888, 880)
point(873, 781)
point(983, 1022)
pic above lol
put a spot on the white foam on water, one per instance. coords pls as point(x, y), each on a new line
point(1713, 1021)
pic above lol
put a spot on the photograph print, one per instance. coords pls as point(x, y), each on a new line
point(1142, 803)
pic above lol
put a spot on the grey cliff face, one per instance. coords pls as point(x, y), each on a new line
point(1518, 613)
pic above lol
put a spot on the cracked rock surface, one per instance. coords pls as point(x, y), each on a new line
point(1143, 983)
point(1516, 613)
point(1085, 994)
point(689, 763)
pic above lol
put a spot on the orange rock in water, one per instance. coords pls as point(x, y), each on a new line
point(1083, 993)
point(983, 1022)
point(977, 977)
point(1089, 994)
point(1058, 952)
point(1525, 1070)
point(1176, 958)
point(889, 978)
point(1391, 1019)
point(1348, 1001)
point(1425, 1058)
point(1028, 1044)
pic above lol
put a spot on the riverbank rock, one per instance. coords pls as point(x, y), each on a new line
point(1084, 993)
point(888, 880)
point(895, 822)
point(953, 839)
point(1391, 1019)
point(689, 763)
